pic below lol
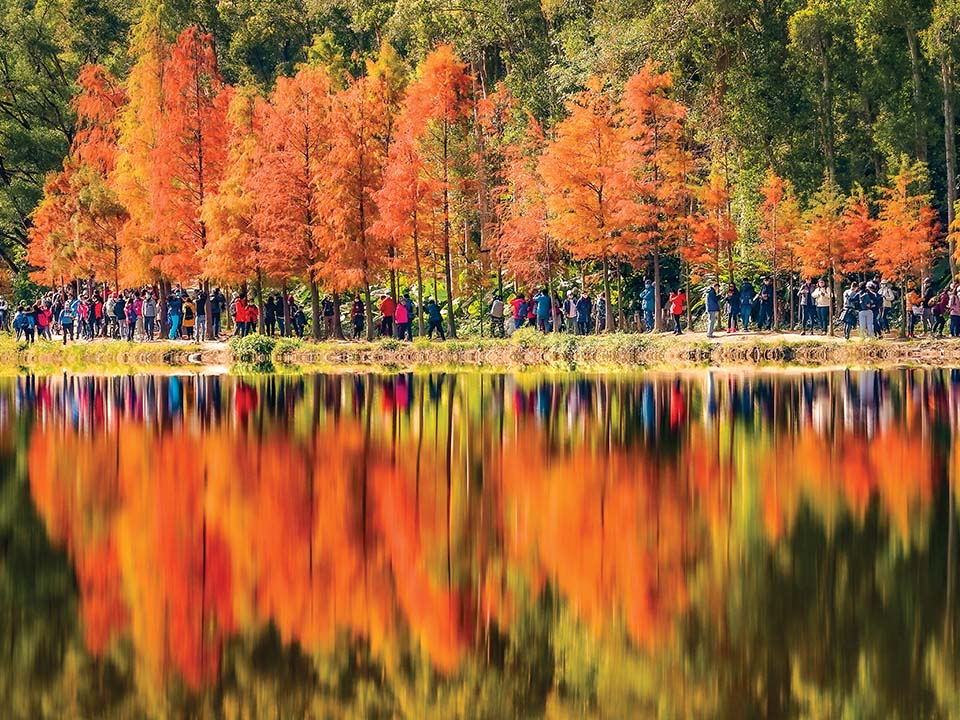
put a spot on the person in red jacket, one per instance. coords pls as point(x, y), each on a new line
point(677, 300)
point(388, 306)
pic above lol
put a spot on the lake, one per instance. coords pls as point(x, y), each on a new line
point(702, 544)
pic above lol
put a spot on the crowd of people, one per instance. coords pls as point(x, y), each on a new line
point(869, 305)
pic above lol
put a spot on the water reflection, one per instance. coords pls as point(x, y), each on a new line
point(705, 545)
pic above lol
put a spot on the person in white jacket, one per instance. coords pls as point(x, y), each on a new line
point(821, 298)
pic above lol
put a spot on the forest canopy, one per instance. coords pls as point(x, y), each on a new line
point(458, 116)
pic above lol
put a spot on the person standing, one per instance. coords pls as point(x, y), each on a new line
point(218, 304)
point(851, 310)
point(434, 319)
point(149, 314)
point(747, 294)
point(402, 318)
point(408, 303)
point(66, 323)
point(496, 317)
point(732, 302)
point(388, 307)
point(570, 312)
point(543, 305)
point(270, 316)
point(189, 317)
point(201, 307)
point(678, 299)
point(822, 295)
point(519, 306)
point(327, 309)
point(601, 313)
point(712, 301)
point(357, 314)
point(584, 310)
point(647, 302)
point(174, 311)
point(807, 306)
point(953, 307)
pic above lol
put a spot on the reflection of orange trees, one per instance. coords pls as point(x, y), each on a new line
point(179, 541)
point(846, 473)
point(609, 530)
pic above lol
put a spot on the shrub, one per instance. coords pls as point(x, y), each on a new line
point(253, 348)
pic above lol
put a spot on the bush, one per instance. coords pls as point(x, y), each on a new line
point(253, 348)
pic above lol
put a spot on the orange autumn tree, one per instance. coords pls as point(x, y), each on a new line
point(780, 216)
point(821, 248)
point(858, 232)
point(714, 233)
point(406, 203)
point(76, 227)
point(360, 124)
point(524, 246)
point(436, 111)
point(236, 249)
point(135, 178)
point(905, 228)
point(656, 163)
point(191, 156)
point(289, 214)
point(581, 172)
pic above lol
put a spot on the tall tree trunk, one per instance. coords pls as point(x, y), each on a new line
point(369, 303)
point(337, 325)
point(208, 312)
point(285, 309)
point(162, 303)
point(950, 144)
point(419, 264)
point(447, 258)
point(259, 291)
point(916, 71)
point(657, 300)
point(608, 313)
point(315, 308)
point(826, 112)
point(620, 317)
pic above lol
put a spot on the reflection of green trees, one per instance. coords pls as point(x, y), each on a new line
point(44, 671)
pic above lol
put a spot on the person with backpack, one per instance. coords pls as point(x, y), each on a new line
point(851, 310)
point(132, 317)
point(189, 317)
point(327, 310)
point(519, 305)
point(732, 304)
point(149, 315)
point(712, 301)
point(747, 295)
point(496, 317)
point(66, 323)
point(434, 319)
point(358, 314)
point(647, 306)
point(543, 306)
point(174, 314)
point(584, 311)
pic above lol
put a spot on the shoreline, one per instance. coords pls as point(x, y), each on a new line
point(525, 350)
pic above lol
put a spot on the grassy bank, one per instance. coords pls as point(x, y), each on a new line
point(112, 356)
point(525, 348)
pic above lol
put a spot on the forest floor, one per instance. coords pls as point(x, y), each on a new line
point(525, 349)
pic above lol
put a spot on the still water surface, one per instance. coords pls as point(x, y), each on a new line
point(463, 545)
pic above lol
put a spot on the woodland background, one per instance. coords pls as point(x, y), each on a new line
point(849, 91)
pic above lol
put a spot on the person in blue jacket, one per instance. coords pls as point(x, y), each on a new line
point(647, 301)
point(747, 294)
point(713, 308)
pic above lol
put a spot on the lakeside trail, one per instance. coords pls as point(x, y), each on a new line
point(525, 349)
